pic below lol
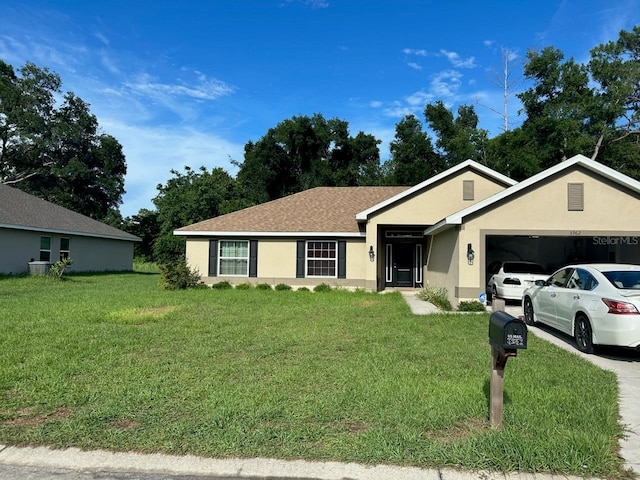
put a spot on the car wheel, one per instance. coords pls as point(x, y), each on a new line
point(494, 291)
point(529, 317)
point(583, 334)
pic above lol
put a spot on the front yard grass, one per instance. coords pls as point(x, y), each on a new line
point(113, 362)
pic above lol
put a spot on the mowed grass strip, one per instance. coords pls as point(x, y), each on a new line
point(113, 362)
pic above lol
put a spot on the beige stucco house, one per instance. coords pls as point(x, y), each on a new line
point(444, 231)
point(34, 231)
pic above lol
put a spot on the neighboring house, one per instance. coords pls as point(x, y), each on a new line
point(444, 231)
point(34, 230)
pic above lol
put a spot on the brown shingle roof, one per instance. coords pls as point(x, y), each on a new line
point(320, 209)
point(22, 210)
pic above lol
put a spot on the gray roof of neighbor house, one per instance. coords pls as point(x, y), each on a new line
point(320, 210)
point(23, 211)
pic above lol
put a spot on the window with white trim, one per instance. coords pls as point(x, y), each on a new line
point(233, 258)
point(45, 249)
point(64, 247)
point(321, 259)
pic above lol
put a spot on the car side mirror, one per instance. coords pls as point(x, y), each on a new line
point(541, 283)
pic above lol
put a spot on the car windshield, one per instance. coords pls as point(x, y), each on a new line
point(520, 267)
point(624, 279)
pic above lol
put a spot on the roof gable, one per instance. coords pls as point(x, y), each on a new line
point(535, 181)
point(455, 170)
point(22, 211)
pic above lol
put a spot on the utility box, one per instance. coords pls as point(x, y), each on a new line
point(39, 268)
point(507, 332)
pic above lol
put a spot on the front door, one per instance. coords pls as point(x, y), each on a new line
point(402, 265)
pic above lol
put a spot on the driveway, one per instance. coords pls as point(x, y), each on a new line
point(625, 364)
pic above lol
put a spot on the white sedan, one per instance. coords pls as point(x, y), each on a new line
point(598, 304)
point(510, 279)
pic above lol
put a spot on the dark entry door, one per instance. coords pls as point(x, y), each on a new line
point(403, 265)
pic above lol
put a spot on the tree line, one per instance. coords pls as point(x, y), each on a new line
point(568, 108)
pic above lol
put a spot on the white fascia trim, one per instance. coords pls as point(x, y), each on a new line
point(270, 234)
point(455, 169)
point(67, 232)
point(603, 170)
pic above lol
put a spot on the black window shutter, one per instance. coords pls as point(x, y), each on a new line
point(213, 258)
point(300, 255)
point(342, 259)
point(253, 258)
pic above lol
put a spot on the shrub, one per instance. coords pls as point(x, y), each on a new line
point(263, 286)
point(224, 285)
point(436, 295)
point(302, 289)
point(243, 286)
point(283, 286)
point(176, 275)
point(471, 306)
point(57, 269)
point(323, 287)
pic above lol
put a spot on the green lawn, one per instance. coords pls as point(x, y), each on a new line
point(113, 362)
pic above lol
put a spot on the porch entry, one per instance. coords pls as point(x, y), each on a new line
point(403, 259)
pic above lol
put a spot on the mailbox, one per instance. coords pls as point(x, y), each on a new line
point(507, 333)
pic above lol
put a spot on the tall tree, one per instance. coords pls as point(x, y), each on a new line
point(189, 198)
point(615, 67)
point(413, 158)
point(557, 106)
point(304, 152)
point(55, 152)
point(459, 138)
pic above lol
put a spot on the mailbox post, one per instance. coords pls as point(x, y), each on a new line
point(507, 335)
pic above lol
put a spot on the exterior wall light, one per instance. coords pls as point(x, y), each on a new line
point(470, 254)
point(372, 254)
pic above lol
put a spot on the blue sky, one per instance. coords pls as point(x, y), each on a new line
point(190, 82)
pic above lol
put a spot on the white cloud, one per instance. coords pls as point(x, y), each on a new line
point(152, 152)
point(204, 89)
point(445, 85)
point(415, 66)
point(411, 51)
point(375, 103)
point(457, 61)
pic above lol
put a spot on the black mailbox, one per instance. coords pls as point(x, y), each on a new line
point(507, 332)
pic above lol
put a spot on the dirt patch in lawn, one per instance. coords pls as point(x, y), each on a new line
point(140, 316)
point(30, 418)
point(463, 429)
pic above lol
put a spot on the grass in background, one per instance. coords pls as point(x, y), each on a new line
point(112, 361)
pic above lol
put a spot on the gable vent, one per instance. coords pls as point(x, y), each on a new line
point(575, 197)
point(467, 190)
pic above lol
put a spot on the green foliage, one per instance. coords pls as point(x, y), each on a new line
point(224, 285)
point(144, 224)
point(305, 152)
point(303, 289)
point(143, 266)
point(412, 156)
point(322, 287)
point(244, 286)
point(471, 306)
point(436, 295)
point(177, 275)
point(58, 268)
point(459, 138)
point(56, 153)
point(264, 286)
point(283, 287)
